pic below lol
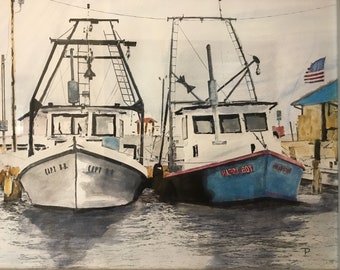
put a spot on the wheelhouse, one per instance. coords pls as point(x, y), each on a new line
point(235, 130)
point(231, 119)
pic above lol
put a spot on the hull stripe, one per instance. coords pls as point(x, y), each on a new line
point(77, 150)
point(225, 162)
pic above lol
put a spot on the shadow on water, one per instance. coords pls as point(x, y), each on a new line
point(70, 234)
point(254, 234)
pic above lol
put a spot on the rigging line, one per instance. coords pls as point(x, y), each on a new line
point(101, 88)
point(62, 85)
point(50, 90)
point(53, 86)
point(113, 13)
point(113, 93)
point(197, 54)
point(261, 142)
point(284, 14)
point(66, 32)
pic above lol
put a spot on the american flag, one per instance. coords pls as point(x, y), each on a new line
point(315, 73)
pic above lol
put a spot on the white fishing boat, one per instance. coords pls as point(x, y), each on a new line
point(222, 151)
point(77, 157)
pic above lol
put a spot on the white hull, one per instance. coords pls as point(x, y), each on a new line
point(82, 177)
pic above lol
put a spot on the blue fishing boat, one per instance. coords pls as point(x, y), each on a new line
point(223, 151)
point(264, 174)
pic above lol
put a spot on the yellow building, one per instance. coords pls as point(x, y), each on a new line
point(319, 114)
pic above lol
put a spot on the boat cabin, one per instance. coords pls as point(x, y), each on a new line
point(236, 129)
point(104, 126)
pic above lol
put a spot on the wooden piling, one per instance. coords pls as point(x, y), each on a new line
point(10, 183)
point(317, 181)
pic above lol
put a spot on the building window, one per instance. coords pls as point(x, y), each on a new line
point(203, 124)
point(255, 121)
point(104, 124)
point(230, 123)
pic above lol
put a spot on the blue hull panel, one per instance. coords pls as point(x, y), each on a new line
point(282, 179)
point(233, 183)
point(261, 175)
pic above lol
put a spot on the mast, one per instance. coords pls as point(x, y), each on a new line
point(172, 76)
point(213, 99)
point(237, 45)
point(173, 52)
point(3, 124)
point(14, 136)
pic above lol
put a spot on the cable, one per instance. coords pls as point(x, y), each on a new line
point(164, 19)
point(113, 13)
point(284, 14)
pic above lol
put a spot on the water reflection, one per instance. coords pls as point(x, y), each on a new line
point(68, 235)
point(151, 234)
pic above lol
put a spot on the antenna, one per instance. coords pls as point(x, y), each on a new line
point(88, 9)
point(219, 8)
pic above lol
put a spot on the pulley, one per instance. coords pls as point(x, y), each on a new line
point(89, 74)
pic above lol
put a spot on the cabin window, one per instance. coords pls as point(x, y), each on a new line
point(104, 125)
point(68, 124)
point(230, 123)
point(203, 124)
point(185, 127)
point(61, 125)
point(121, 128)
point(80, 127)
point(255, 121)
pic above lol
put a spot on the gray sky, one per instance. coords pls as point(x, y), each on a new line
point(286, 35)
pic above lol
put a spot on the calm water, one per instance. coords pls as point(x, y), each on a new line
point(152, 234)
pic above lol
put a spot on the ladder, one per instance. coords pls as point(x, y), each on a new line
point(172, 93)
point(238, 47)
point(121, 73)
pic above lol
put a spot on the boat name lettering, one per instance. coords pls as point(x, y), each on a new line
point(98, 169)
point(246, 169)
point(54, 169)
point(282, 168)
